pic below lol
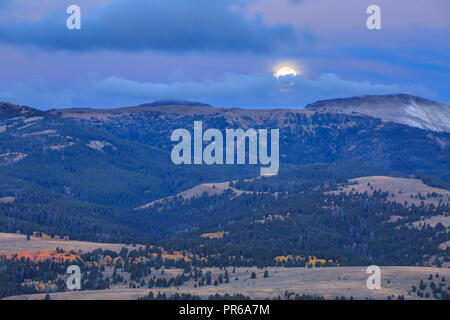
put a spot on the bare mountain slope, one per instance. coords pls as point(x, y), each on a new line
point(401, 108)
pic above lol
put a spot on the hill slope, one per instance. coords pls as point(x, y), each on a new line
point(317, 133)
point(404, 109)
point(88, 169)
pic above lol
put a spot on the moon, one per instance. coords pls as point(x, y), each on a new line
point(285, 71)
point(286, 78)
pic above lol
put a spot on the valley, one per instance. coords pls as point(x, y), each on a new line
point(178, 273)
point(327, 282)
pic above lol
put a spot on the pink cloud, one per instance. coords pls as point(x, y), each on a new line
point(330, 15)
point(35, 10)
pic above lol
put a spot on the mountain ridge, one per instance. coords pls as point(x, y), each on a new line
point(131, 147)
point(399, 108)
point(404, 109)
point(82, 172)
point(8, 110)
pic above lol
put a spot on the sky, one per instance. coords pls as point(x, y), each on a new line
point(225, 53)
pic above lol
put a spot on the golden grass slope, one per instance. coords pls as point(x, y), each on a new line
point(401, 188)
point(328, 282)
point(14, 243)
point(210, 189)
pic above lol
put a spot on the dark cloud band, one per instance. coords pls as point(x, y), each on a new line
point(171, 25)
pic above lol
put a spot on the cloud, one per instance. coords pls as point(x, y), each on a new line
point(350, 15)
point(260, 90)
point(232, 90)
point(173, 25)
point(35, 92)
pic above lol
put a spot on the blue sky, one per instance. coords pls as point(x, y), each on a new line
point(220, 52)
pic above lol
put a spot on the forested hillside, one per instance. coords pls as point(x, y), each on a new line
point(82, 173)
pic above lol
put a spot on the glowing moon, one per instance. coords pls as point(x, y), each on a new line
point(285, 71)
